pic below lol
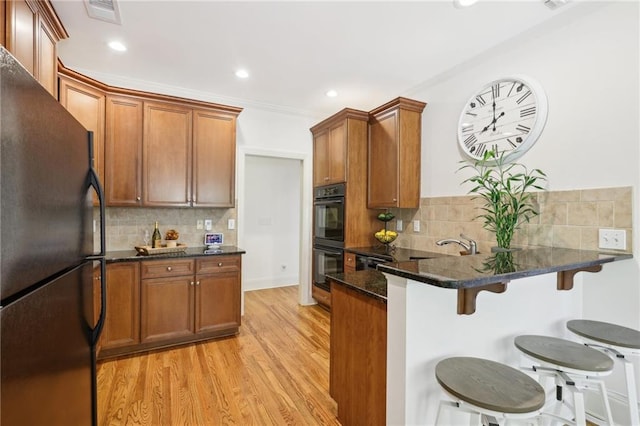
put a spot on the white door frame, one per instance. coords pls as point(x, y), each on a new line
point(304, 287)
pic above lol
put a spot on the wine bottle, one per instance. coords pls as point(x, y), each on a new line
point(156, 238)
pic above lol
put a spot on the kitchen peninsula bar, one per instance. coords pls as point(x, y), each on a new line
point(423, 325)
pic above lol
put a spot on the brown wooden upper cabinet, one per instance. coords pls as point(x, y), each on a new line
point(166, 153)
point(31, 32)
point(87, 105)
point(329, 154)
point(123, 151)
point(156, 150)
point(394, 154)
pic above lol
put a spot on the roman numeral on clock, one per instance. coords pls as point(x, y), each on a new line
point(468, 142)
point(523, 97)
point(527, 111)
point(480, 100)
point(467, 129)
point(512, 143)
point(495, 91)
point(523, 129)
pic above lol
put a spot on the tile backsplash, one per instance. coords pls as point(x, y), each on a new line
point(125, 226)
point(569, 219)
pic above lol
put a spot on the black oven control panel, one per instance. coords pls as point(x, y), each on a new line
point(330, 191)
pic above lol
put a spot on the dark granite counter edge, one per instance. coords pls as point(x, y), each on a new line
point(370, 283)
point(446, 282)
point(133, 256)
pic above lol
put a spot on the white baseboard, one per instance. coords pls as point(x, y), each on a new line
point(269, 282)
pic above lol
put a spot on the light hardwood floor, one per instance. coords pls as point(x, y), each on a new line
point(276, 371)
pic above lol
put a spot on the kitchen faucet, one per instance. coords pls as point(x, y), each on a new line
point(471, 247)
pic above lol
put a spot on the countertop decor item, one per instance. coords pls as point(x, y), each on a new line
point(384, 235)
point(506, 116)
point(149, 251)
point(504, 189)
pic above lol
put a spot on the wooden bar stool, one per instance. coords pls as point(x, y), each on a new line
point(488, 390)
point(573, 366)
point(620, 343)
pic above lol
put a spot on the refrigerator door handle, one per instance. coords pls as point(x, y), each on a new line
point(95, 333)
point(94, 182)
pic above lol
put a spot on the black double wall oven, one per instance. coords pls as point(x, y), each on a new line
point(328, 233)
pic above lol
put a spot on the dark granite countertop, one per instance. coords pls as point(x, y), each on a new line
point(394, 254)
point(459, 272)
point(132, 255)
point(369, 282)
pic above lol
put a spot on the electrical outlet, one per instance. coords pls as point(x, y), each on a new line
point(416, 226)
point(399, 225)
point(231, 224)
point(199, 224)
point(614, 239)
point(208, 224)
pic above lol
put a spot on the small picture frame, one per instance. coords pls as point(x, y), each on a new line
point(213, 239)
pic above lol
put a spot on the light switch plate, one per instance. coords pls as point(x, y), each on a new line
point(416, 226)
point(399, 225)
point(208, 224)
point(231, 224)
point(199, 224)
point(614, 239)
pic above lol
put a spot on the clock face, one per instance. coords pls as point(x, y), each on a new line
point(506, 116)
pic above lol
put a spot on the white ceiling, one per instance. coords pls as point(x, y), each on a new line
point(368, 51)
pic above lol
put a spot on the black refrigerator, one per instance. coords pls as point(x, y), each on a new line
point(49, 318)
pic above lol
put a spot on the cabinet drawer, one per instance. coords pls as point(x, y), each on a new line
point(166, 268)
point(217, 264)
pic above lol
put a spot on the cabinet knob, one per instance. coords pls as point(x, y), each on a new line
point(197, 282)
point(394, 200)
point(98, 278)
point(220, 264)
point(138, 199)
point(169, 268)
point(191, 283)
point(326, 178)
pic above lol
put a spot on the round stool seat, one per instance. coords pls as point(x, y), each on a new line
point(564, 353)
point(490, 385)
point(605, 332)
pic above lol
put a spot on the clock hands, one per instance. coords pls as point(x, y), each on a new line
point(493, 122)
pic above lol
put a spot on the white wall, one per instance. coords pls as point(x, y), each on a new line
point(587, 61)
point(271, 222)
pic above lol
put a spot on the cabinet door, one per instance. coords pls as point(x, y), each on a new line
point(330, 156)
point(166, 179)
point(87, 105)
point(123, 151)
point(21, 24)
point(214, 159)
point(383, 161)
point(166, 308)
point(122, 322)
point(321, 159)
point(337, 153)
point(217, 302)
point(47, 58)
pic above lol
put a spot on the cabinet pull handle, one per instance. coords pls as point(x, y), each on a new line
point(220, 264)
point(169, 268)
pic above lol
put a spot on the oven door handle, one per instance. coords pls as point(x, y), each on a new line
point(331, 253)
point(325, 202)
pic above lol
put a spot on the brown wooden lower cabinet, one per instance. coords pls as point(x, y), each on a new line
point(159, 303)
point(358, 356)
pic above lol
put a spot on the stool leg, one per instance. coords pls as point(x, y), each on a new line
point(632, 396)
point(605, 401)
point(578, 406)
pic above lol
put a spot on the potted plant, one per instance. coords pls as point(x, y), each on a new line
point(504, 187)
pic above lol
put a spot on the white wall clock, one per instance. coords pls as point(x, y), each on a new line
point(505, 116)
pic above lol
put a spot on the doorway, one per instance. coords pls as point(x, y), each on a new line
point(274, 220)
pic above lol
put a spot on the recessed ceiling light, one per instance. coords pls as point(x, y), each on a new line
point(242, 74)
point(464, 3)
point(332, 93)
point(116, 45)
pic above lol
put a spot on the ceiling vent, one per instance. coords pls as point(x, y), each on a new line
point(104, 10)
